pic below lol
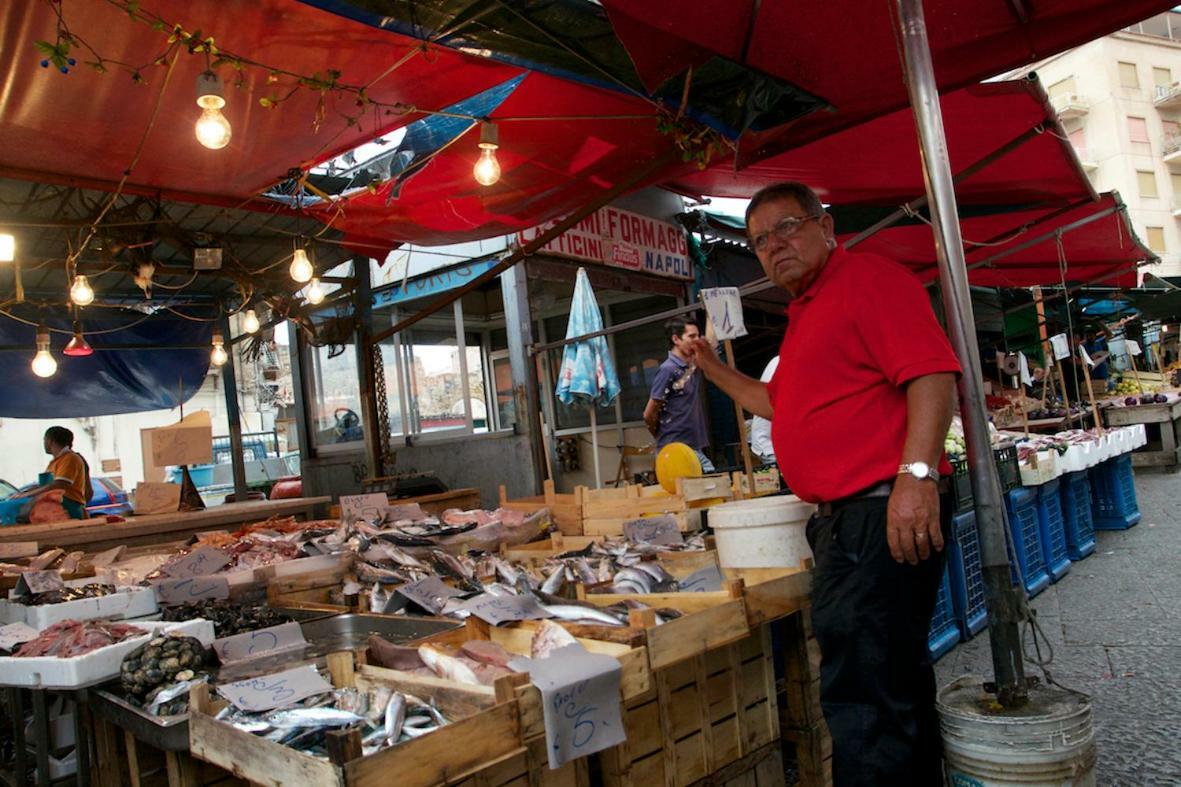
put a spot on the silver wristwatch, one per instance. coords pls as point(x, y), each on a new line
point(920, 470)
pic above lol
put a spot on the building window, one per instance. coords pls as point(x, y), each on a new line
point(1138, 134)
point(1127, 75)
point(1162, 77)
point(336, 395)
point(1146, 179)
point(1156, 238)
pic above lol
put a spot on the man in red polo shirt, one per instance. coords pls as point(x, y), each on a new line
point(859, 408)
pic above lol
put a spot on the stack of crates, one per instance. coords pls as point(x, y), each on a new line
point(1007, 467)
point(1052, 529)
point(966, 574)
point(944, 633)
point(1076, 510)
point(1113, 494)
point(1027, 540)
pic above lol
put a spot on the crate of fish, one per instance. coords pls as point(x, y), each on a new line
point(79, 599)
point(565, 510)
point(703, 715)
point(944, 633)
point(530, 768)
point(966, 575)
point(1026, 546)
point(1052, 526)
point(1113, 494)
point(368, 726)
point(604, 511)
point(1077, 515)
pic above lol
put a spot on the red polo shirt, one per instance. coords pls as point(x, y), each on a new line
point(854, 338)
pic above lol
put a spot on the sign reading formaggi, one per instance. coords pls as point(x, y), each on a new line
point(622, 239)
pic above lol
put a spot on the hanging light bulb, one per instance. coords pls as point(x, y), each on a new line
point(301, 267)
point(7, 247)
point(43, 364)
point(218, 356)
point(250, 322)
point(314, 292)
point(213, 130)
point(487, 169)
point(78, 346)
point(81, 293)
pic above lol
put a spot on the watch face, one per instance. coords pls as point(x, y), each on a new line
point(920, 469)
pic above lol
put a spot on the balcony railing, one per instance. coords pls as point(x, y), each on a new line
point(1167, 95)
point(1171, 149)
point(1070, 105)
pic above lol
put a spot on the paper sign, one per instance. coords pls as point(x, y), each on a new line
point(249, 644)
point(430, 593)
point(1133, 347)
point(703, 580)
point(1061, 346)
point(500, 609)
point(724, 307)
point(173, 592)
point(187, 442)
point(369, 508)
point(152, 497)
point(272, 691)
point(108, 557)
point(201, 562)
point(1082, 352)
point(653, 530)
point(31, 582)
point(18, 549)
point(14, 634)
point(580, 701)
point(403, 511)
point(1023, 367)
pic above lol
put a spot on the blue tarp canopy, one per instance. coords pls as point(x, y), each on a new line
point(109, 382)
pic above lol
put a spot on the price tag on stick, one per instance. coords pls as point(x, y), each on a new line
point(1133, 348)
point(31, 582)
point(272, 691)
point(369, 508)
point(1061, 346)
point(723, 305)
point(430, 593)
point(500, 609)
point(201, 562)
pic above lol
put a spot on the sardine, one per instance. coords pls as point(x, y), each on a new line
point(395, 715)
point(311, 717)
point(554, 582)
point(446, 666)
point(585, 573)
point(575, 613)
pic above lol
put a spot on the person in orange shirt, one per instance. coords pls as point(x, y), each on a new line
point(70, 472)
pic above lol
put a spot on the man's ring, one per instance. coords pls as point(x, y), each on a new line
point(920, 536)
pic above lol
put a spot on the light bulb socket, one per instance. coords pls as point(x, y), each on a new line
point(210, 91)
point(489, 136)
point(42, 338)
point(217, 339)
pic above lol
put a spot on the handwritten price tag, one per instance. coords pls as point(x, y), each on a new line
point(31, 582)
point(653, 530)
point(500, 609)
point(703, 580)
point(430, 593)
point(273, 691)
point(255, 643)
point(173, 592)
point(1061, 346)
point(580, 701)
point(724, 307)
point(14, 634)
point(201, 562)
point(369, 508)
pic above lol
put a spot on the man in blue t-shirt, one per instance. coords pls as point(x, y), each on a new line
point(674, 413)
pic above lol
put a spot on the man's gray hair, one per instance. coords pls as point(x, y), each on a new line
point(800, 192)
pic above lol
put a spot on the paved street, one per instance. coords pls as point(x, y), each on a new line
point(1115, 625)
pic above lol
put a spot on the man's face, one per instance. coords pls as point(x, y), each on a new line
point(792, 262)
point(690, 333)
point(48, 445)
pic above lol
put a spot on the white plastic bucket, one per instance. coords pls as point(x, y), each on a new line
point(767, 532)
point(1050, 743)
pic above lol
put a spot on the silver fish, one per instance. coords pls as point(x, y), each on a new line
point(575, 613)
point(554, 582)
point(585, 573)
point(395, 716)
point(311, 717)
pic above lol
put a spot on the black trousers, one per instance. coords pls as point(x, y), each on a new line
point(871, 616)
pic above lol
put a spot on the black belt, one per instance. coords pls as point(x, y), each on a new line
point(880, 490)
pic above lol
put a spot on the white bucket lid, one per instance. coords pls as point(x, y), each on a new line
point(774, 510)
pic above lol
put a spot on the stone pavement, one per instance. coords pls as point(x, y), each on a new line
point(1114, 623)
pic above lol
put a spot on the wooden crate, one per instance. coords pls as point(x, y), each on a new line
point(485, 729)
point(605, 510)
point(705, 714)
point(463, 499)
point(315, 590)
point(799, 710)
point(529, 768)
point(762, 768)
point(773, 593)
point(565, 509)
point(679, 563)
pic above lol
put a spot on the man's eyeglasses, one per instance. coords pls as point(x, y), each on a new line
point(787, 227)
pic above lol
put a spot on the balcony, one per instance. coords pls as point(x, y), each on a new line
point(1167, 96)
point(1070, 105)
point(1177, 207)
point(1089, 165)
point(1171, 150)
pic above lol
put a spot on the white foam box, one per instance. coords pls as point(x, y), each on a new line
point(123, 604)
point(48, 672)
point(1046, 470)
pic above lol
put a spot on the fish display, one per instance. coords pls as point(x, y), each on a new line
point(228, 618)
point(62, 595)
point(74, 637)
point(150, 673)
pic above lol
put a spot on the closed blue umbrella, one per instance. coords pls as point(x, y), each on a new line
point(587, 374)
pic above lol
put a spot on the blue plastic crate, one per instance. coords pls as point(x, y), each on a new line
point(966, 576)
point(1053, 529)
point(1113, 494)
point(1076, 511)
point(1027, 539)
point(944, 633)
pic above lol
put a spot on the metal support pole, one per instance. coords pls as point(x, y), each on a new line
point(295, 352)
point(1004, 600)
point(368, 367)
point(518, 325)
point(229, 381)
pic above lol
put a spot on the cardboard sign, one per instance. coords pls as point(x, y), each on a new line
point(1133, 347)
point(14, 634)
point(31, 582)
point(430, 593)
point(187, 442)
point(580, 701)
point(724, 307)
point(249, 644)
point(1023, 367)
point(1061, 346)
point(369, 508)
point(18, 549)
point(174, 592)
point(1082, 353)
point(501, 609)
point(201, 562)
point(152, 497)
point(272, 691)
point(653, 530)
point(702, 580)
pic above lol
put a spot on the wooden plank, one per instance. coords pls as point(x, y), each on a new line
point(256, 759)
point(453, 699)
point(613, 526)
point(772, 593)
point(694, 634)
point(633, 508)
point(705, 488)
point(1142, 458)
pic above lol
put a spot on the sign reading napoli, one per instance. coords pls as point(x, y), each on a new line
point(622, 239)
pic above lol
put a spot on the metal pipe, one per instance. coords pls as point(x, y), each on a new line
point(1004, 601)
point(234, 417)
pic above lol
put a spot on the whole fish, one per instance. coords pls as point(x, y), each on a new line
point(366, 572)
point(554, 582)
point(311, 717)
point(586, 574)
point(579, 614)
point(446, 666)
point(395, 716)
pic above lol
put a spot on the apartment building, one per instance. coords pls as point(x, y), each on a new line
point(1119, 99)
